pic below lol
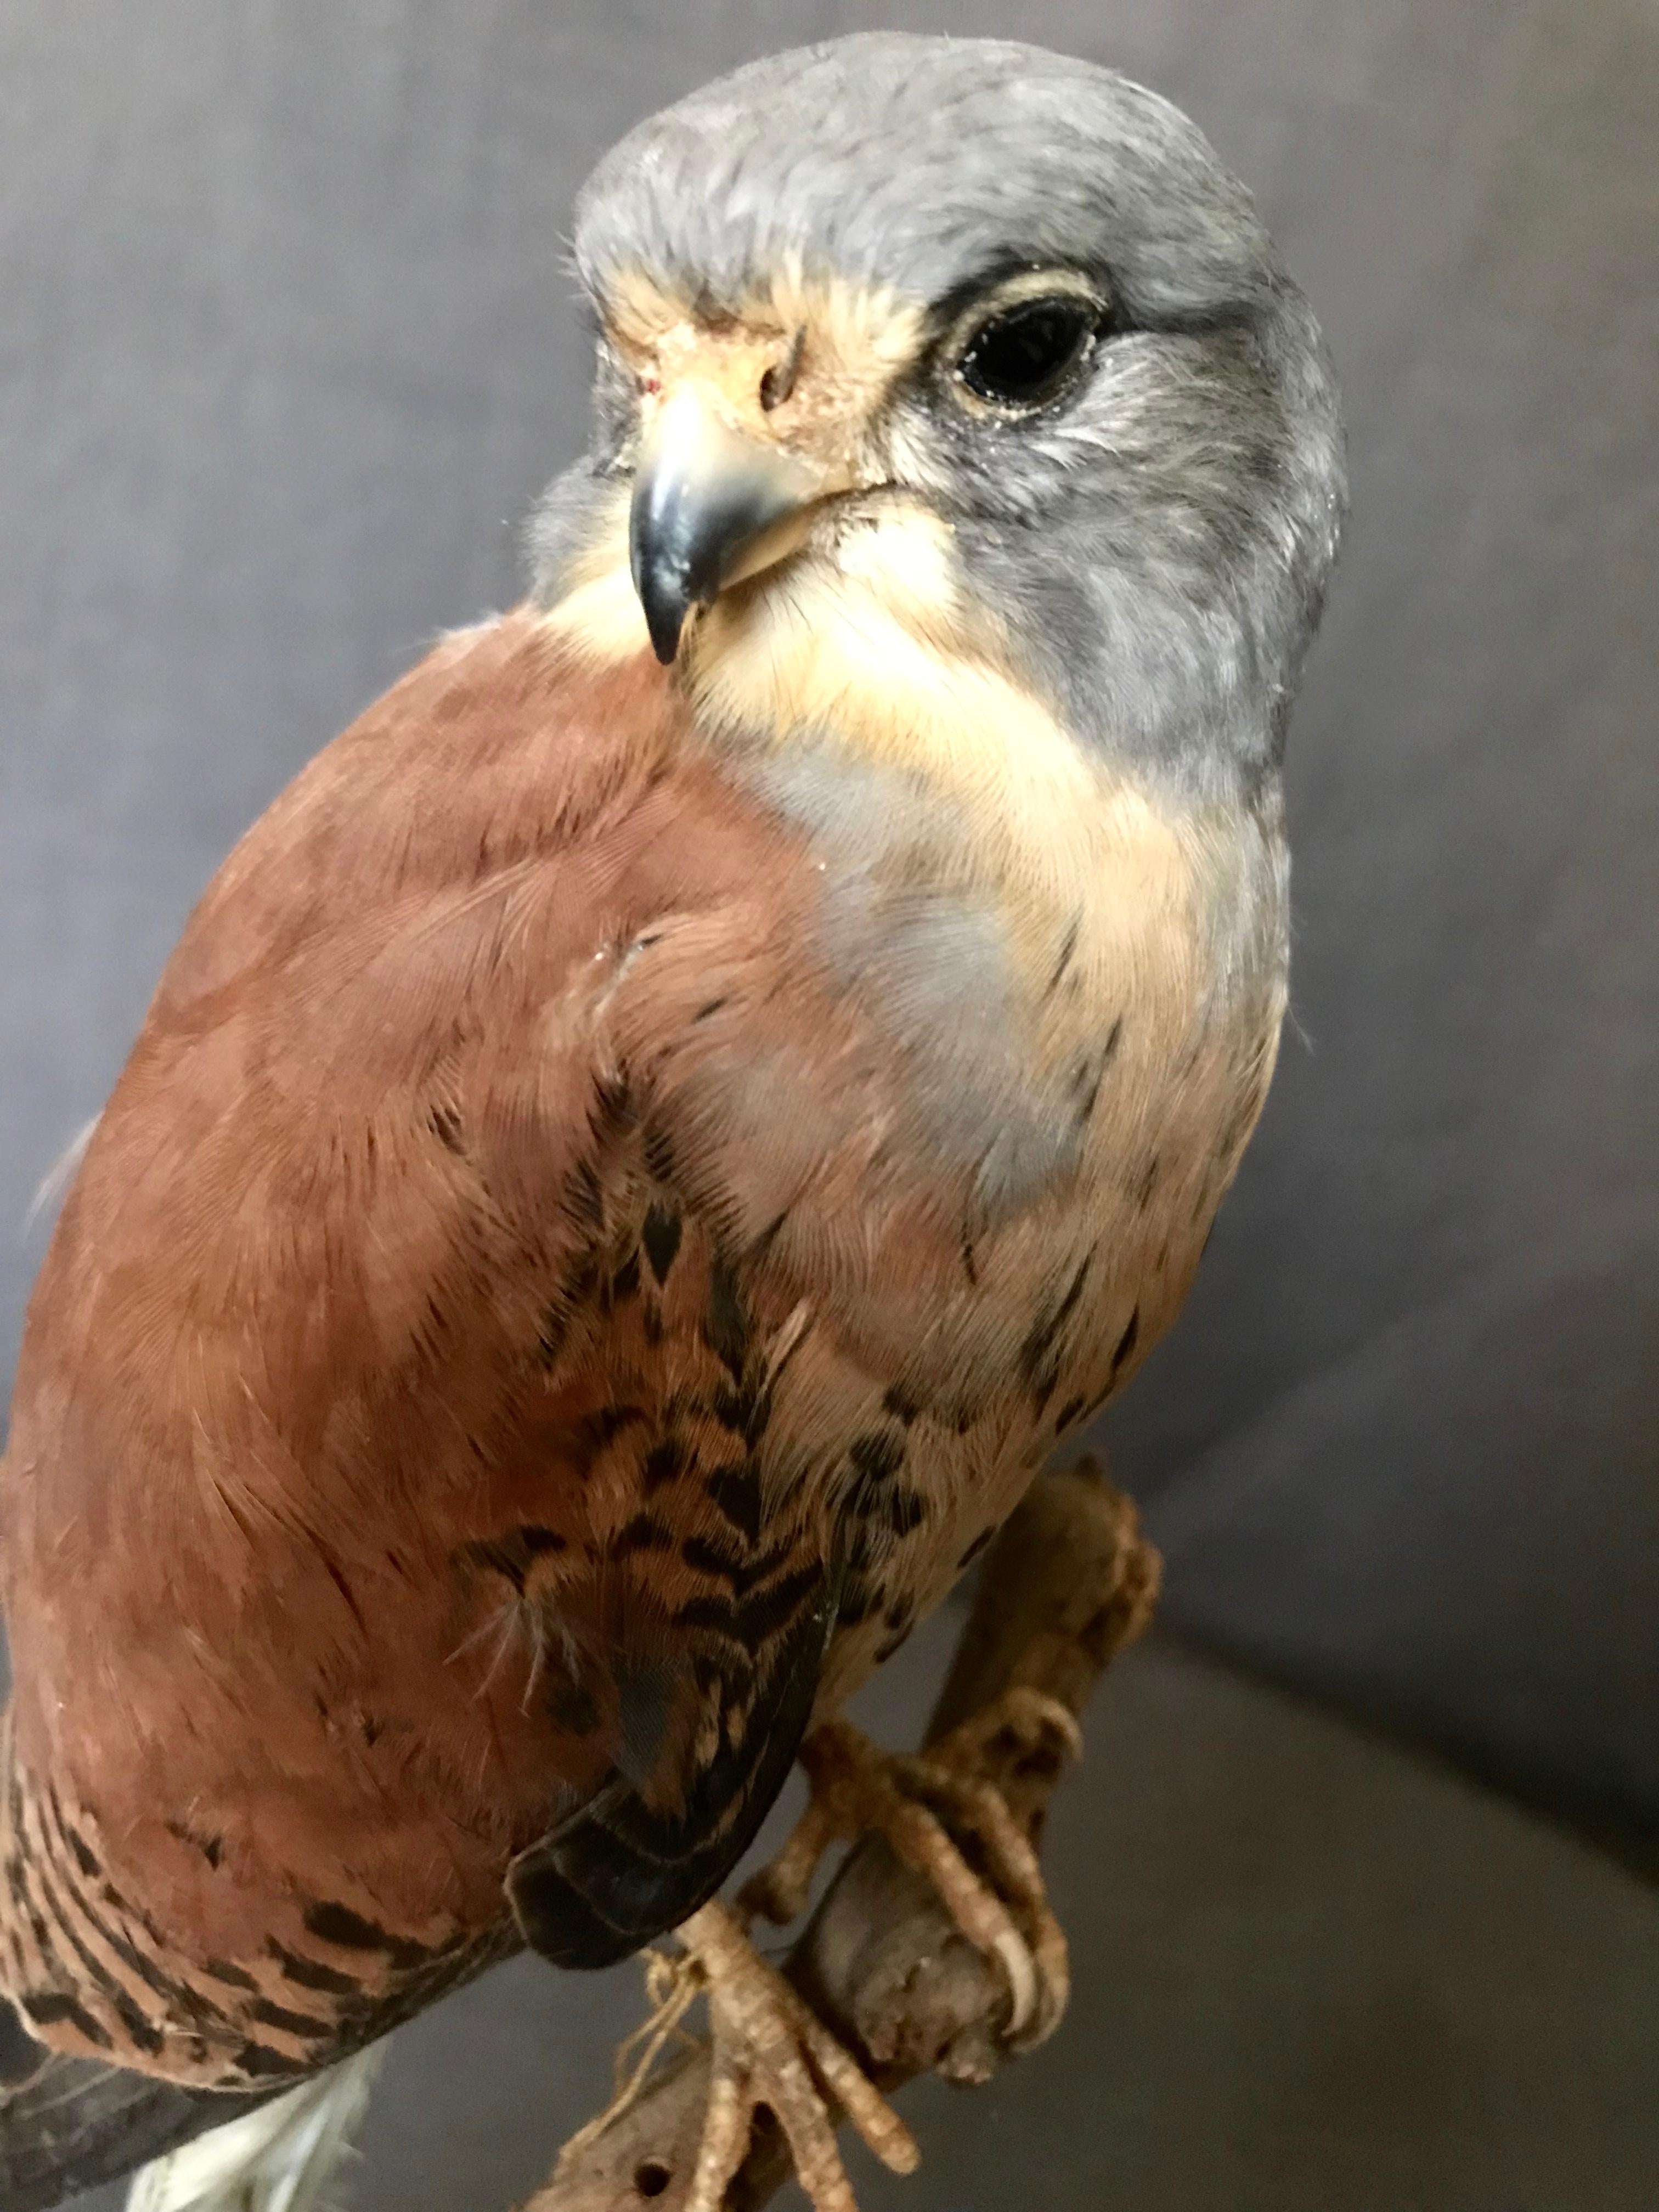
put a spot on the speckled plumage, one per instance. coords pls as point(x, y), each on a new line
point(630, 1171)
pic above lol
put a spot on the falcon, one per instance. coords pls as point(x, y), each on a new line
point(648, 1144)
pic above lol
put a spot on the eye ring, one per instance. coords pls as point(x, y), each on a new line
point(1028, 345)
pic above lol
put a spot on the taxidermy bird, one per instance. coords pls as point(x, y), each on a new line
point(645, 1148)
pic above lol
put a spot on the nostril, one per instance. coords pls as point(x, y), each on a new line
point(779, 380)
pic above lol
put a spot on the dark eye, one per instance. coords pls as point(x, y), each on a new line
point(1025, 356)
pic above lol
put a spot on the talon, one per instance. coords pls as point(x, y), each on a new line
point(858, 1790)
point(769, 2048)
point(1014, 1955)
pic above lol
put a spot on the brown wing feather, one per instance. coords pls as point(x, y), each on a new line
point(382, 1491)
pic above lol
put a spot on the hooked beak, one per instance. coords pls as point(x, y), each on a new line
point(711, 505)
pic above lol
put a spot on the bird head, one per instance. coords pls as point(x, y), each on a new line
point(980, 341)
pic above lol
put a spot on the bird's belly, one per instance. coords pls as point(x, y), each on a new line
point(1058, 1315)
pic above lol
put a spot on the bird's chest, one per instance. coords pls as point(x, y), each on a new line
point(1095, 1051)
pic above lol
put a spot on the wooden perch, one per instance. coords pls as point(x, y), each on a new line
point(1070, 1582)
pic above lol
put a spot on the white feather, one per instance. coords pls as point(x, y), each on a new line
point(279, 2158)
point(57, 1178)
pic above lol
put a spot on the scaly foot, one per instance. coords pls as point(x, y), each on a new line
point(769, 2048)
point(1005, 1912)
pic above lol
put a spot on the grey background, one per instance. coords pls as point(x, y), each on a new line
point(286, 347)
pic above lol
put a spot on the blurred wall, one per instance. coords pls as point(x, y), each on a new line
point(287, 348)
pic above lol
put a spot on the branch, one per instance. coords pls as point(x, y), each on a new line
point(1070, 1582)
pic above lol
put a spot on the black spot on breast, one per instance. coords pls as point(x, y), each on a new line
point(1126, 1343)
point(1034, 1354)
point(710, 1007)
point(661, 1238)
point(625, 1283)
point(1089, 1072)
point(1070, 1411)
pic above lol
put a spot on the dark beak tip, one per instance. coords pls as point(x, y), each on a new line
point(666, 604)
point(660, 580)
